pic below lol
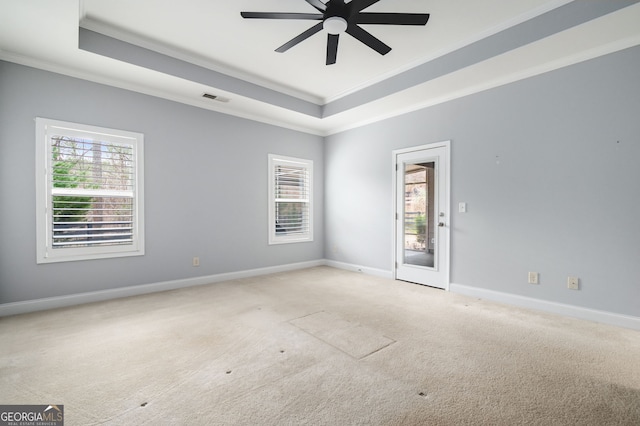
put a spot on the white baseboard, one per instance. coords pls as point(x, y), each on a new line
point(357, 268)
point(604, 317)
point(28, 306)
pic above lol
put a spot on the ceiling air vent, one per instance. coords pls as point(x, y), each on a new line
point(215, 97)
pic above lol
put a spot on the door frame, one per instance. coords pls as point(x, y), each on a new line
point(447, 200)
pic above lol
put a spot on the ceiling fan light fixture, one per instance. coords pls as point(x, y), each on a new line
point(335, 25)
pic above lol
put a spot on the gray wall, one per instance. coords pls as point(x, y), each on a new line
point(548, 167)
point(205, 187)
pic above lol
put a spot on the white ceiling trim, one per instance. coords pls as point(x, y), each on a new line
point(24, 41)
point(620, 28)
point(616, 31)
point(551, 5)
point(120, 34)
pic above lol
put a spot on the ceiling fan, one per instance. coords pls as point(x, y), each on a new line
point(337, 17)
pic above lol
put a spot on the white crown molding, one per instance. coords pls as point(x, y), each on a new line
point(91, 24)
point(551, 5)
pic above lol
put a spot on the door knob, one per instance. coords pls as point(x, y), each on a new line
point(441, 224)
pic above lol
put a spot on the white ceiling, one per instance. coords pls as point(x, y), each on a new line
point(467, 46)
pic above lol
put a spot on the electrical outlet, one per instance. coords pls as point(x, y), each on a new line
point(196, 261)
point(573, 283)
point(533, 278)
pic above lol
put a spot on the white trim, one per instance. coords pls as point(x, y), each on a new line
point(441, 144)
point(28, 306)
point(502, 26)
point(45, 128)
point(323, 127)
point(97, 26)
point(358, 268)
point(594, 315)
point(273, 161)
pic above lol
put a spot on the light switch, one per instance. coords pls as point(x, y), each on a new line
point(462, 207)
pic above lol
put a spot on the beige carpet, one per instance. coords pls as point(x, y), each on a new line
point(319, 347)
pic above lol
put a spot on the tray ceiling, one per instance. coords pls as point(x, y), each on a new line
point(181, 50)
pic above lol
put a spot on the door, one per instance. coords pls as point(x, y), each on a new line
point(422, 215)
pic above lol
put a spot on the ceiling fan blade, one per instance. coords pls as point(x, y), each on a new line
point(392, 18)
point(368, 39)
point(317, 4)
point(278, 15)
point(332, 48)
point(358, 5)
point(303, 36)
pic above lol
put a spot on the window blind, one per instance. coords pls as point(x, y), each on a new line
point(292, 199)
point(92, 193)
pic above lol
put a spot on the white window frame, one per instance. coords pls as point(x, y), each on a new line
point(45, 130)
point(274, 236)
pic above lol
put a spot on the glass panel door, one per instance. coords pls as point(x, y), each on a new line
point(422, 229)
point(419, 238)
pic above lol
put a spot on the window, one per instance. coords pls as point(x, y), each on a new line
point(290, 197)
point(89, 189)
